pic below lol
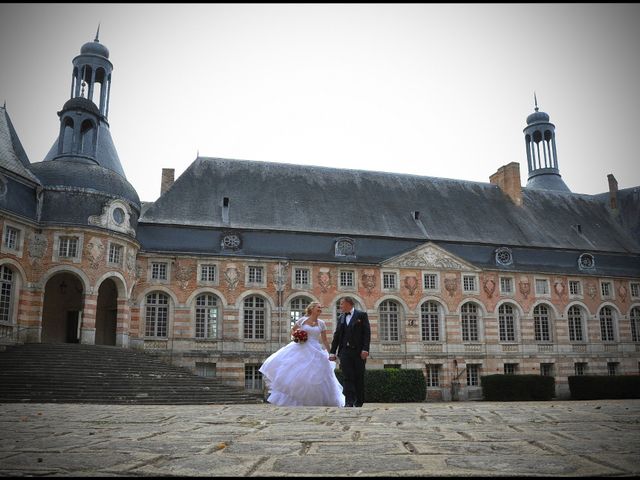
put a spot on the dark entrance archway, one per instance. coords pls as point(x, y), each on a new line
point(61, 310)
point(107, 313)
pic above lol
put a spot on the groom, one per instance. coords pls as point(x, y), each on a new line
point(351, 340)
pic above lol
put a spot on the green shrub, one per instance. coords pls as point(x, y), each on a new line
point(592, 387)
point(517, 387)
point(392, 385)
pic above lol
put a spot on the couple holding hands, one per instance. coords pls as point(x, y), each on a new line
point(302, 373)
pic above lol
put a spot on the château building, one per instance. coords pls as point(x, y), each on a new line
point(460, 279)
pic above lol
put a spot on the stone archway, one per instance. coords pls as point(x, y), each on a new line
point(62, 309)
point(107, 313)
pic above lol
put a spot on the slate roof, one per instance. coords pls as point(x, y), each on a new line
point(301, 198)
point(12, 154)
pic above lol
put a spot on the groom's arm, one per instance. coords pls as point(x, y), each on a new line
point(335, 341)
point(366, 332)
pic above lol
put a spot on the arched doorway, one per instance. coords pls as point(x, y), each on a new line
point(107, 313)
point(62, 309)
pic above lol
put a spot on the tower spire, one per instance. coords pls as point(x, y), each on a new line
point(97, 33)
point(535, 99)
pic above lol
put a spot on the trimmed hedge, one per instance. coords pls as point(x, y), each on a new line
point(593, 387)
point(500, 387)
point(392, 385)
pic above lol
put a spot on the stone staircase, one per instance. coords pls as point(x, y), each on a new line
point(74, 373)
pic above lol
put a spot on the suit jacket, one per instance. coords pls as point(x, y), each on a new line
point(356, 335)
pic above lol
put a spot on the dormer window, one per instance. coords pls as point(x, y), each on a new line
point(504, 256)
point(345, 247)
point(586, 262)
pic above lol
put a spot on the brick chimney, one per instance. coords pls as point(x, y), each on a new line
point(167, 179)
point(508, 179)
point(613, 191)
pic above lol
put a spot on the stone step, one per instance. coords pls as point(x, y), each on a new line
point(105, 374)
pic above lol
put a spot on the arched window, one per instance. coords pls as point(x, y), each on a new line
point(507, 323)
point(86, 137)
point(574, 317)
point(156, 315)
point(470, 323)
point(541, 323)
point(389, 321)
point(254, 317)
point(206, 316)
point(606, 324)
point(298, 306)
point(430, 313)
point(634, 316)
point(67, 136)
point(6, 291)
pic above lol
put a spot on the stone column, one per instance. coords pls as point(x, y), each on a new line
point(88, 320)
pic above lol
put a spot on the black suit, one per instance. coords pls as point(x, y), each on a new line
point(349, 341)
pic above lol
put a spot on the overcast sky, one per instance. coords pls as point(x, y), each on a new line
point(433, 90)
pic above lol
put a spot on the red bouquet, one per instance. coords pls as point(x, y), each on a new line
point(299, 336)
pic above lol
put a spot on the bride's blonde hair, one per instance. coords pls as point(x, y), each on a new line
point(307, 311)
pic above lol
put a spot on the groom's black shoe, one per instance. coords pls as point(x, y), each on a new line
point(358, 405)
point(348, 404)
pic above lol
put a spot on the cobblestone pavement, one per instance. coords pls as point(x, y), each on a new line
point(558, 438)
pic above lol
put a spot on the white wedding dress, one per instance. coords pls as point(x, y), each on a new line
point(300, 374)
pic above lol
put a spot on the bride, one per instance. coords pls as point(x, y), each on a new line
point(300, 374)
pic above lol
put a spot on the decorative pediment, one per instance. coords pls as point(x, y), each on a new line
point(429, 256)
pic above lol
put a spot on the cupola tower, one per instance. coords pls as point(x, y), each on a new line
point(542, 158)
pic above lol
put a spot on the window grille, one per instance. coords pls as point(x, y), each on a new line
point(156, 315)
point(6, 287)
point(541, 323)
point(389, 321)
point(115, 254)
point(346, 278)
point(158, 271)
point(612, 368)
point(11, 237)
point(255, 274)
point(469, 313)
point(469, 283)
point(606, 324)
point(542, 287)
point(635, 290)
point(68, 247)
point(472, 375)
point(302, 277)
point(206, 316)
point(575, 287)
point(252, 377)
point(546, 369)
point(389, 281)
point(575, 324)
point(430, 312)
point(433, 375)
point(254, 317)
point(507, 323)
point(510, 368)
point(506, 285)
point(207, 273)
point(605, 289)
point(430, 281)
point(580, 368)
point(634, 316)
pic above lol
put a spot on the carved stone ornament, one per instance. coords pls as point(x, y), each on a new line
point(230, 240)
point(622, 293)
point(131, 262)
point(37, 247)
point(184, 273)
point(231, 276)
point(368, 281)
point(489, 287)
point(525, 287)
point(559, 288)
point(428, 256)
point(451, 285)
point(592, 290)
point(116, 215)
point(411, 284)
point(280, 276)
point(324, 279)
point(95, 252)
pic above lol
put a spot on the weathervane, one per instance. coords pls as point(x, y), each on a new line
point(535, 99)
